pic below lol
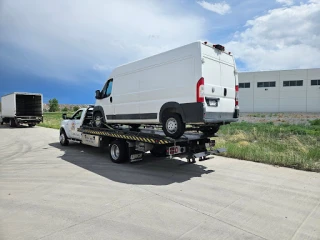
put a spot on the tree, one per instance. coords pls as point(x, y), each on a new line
point(53, 105)
point(65, 109)
point(75, 108)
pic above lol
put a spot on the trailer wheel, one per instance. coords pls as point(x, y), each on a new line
point(63, 138)
point(172, 125)
point(13, 123)
point(98, 119)
point(118, 151)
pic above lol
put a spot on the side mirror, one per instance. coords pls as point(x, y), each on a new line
point(98, 94)
point(64, 116)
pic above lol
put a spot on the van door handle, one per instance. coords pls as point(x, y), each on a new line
point(111, 99)
point(225, 92)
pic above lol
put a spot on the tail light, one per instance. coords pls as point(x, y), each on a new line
point(200, 90)
point(237, 95)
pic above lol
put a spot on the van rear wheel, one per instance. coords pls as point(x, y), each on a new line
point(172, 125)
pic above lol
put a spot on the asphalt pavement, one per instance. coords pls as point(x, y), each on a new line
point(75, 192)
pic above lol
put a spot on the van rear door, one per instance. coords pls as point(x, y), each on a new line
point(220, 80)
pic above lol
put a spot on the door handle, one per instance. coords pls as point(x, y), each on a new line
point(111, 99)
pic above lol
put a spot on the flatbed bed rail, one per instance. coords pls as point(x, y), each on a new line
point(141, 135)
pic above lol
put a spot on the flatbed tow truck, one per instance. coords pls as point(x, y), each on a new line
point(125, 143)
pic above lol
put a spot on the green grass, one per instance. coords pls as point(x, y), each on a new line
point(315, 122)
point(52, 120)
point(295, 146)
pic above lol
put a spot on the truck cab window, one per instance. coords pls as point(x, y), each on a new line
point(77, 115)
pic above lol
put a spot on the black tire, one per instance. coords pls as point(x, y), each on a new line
point(210, 130)
point(118, 151)
point(172, 125)
point(135, 126)
point(98, 120)
point(13, 122)
point(31, 125)
point(159, 151)
point(63, 138)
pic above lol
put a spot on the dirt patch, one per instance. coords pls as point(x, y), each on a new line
point(279, 118)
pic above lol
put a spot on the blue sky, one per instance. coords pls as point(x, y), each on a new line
point(66, 49)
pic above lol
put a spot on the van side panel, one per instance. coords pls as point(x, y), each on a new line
point(141, 88)
point(171, 83)
point(125, 94)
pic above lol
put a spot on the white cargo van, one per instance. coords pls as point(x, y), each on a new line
point(196, 84)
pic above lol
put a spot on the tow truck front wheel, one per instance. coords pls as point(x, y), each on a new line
point(119, 151)
point(63, 139)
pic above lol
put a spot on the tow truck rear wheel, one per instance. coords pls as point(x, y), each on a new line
point(63, 138)
point(118, 151)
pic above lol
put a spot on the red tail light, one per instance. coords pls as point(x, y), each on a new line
point(237, 94)
point(200, 90)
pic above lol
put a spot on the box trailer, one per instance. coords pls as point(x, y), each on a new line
point(22, 108)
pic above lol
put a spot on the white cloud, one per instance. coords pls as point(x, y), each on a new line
point(60, 38)
point(220, 8)
point(284, 38)
point(285, 2)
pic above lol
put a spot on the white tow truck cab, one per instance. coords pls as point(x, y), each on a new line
point(196, 84)
point(125, 143)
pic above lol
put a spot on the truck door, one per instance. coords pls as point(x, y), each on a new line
point(75, 123)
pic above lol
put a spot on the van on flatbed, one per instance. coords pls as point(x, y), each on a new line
point(195, 84)
point(127, 144)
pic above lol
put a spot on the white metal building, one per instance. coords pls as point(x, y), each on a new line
point(280, 91)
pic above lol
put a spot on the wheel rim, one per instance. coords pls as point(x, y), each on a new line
point(115, 152)
point(172, 125)
point(62, 138)
point(98, 121)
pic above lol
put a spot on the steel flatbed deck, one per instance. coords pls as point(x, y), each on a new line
point(145, 135)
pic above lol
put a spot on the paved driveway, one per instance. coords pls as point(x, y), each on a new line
point(76, 192)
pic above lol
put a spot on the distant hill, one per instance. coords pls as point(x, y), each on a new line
point(68, 106)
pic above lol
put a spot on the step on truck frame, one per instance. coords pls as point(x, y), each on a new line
point(138, 141)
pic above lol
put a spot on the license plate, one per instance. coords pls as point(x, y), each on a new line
point(213, 103)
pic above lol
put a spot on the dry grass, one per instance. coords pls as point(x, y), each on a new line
point(296, 146)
